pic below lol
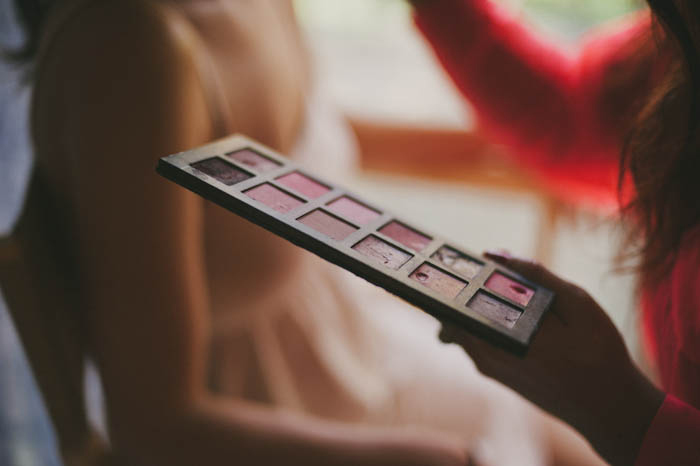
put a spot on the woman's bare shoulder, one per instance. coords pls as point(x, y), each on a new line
point(113, 42)
point(115, 67)
point(119, 31)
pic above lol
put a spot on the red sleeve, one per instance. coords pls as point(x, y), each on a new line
point(562, 115)
point(672, 323)
point(673, 437)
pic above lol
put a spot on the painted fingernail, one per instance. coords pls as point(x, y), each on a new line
point(499, 253)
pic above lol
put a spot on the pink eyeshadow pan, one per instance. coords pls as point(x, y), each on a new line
point(222, 171)
point(439, 281)
point(494, 310)
point(275, 198)
point(303, 184)
point(515, 291)
point(327, 224)
point(253, 160)
point(458, 262)
point(405, 236)
point(353, 210)
point(383, 252)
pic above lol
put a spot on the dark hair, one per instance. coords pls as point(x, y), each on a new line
point(661, 155)
point(31, 15)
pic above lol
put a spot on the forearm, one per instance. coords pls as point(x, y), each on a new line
point(520, 86)
point(221, 432)
point(577, 369)
point(617, 421)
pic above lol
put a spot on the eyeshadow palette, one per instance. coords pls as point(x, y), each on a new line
point(426, 270)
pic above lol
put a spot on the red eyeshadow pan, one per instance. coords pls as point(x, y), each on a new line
point(275, 198)
point(439, 281)
point(515, 291)
point(494, 310)
point(253, 160)
point(353, 210)
point(458, 262)
point(383, 252)
point(327, 224)
point(406, 236)
point(303, 184)
point(222, 171)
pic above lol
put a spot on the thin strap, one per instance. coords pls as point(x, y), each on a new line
point(214, 91)
point(210, 78)
point(213, 87)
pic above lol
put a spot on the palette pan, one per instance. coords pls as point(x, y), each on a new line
point(264, 187)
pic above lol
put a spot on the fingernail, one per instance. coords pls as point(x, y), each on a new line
point(499, 253)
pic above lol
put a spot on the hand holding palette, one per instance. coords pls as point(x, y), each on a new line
point(254, 182)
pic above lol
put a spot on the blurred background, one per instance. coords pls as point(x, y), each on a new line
point(372, 63)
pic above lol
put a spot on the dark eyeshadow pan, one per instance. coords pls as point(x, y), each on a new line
point(222, 171)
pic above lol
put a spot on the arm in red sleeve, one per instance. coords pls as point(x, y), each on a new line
point(673, 437)
point(564, 116)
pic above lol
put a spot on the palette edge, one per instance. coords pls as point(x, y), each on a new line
point(514, 341)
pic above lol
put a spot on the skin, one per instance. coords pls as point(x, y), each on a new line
point(578, 368)
point(151, 255)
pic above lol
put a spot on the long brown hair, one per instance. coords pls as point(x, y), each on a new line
point(662, 152)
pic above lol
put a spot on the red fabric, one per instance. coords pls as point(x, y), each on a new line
point(565, 117)
point(545, 104)
point(672, 324)
point(672, 438)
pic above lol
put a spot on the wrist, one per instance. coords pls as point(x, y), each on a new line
point(621, 422)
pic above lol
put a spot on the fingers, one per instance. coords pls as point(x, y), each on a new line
point(475, 346)
point(487, 357)
point(448, 333)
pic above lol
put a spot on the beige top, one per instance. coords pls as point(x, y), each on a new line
point(307, 351)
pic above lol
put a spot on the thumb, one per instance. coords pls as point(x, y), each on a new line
point(448, 333)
